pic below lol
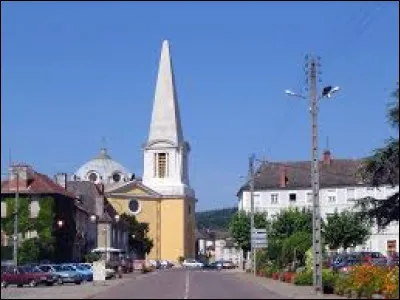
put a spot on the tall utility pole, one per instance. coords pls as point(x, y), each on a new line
point(16, 207)
point(251, 178)
point(312, 65)
point(317, 248)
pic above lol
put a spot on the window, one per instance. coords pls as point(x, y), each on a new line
point(292, 197)
point(93, 177)
point(274, 198)
point(34, 208)
point(189, 209)
point(116, 177)
point(331, 199)
point(309, 197)
point(134, 206)
point(331, 196)
point(351, 194)
point(162, 168)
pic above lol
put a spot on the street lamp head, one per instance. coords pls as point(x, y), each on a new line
point(133, 236)
point(117, 217)
point(60, 223)
point(290, 93)
point(93, 218)
point(328, 91)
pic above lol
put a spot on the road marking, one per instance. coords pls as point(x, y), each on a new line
point(187, 286)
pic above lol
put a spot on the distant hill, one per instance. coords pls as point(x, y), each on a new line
point(217, 219)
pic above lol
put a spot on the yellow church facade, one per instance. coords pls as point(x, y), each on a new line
point(171, 220)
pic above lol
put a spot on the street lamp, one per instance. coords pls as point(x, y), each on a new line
point(327, 91)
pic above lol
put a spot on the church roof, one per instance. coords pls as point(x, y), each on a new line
point(165, 123)
point(104, 166)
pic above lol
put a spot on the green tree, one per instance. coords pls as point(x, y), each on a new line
point(290, 221)
point(345, 229)
point(29, 251)
point(239, 227)
point(138, 240)
point(382, 168)
point(294, 247)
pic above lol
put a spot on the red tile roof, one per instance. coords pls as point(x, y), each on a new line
point(37, 184)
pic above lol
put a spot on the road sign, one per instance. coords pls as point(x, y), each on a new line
point(259, 238)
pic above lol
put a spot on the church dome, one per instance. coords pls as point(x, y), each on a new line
point(103, 169)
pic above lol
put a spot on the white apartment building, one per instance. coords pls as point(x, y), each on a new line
point(287, 184)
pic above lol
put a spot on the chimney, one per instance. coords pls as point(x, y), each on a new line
point(282, 177)
point(61, 179)
point(19, 176)
point(327, 158)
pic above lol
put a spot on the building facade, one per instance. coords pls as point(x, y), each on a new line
point(70, 218)
point(287, 184)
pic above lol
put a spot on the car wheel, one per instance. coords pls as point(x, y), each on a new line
point(32, 283)
point(78, 282)
point(4, 284)
point(49, 283)
point(20, 285)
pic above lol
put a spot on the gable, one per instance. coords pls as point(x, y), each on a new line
point(131, 189)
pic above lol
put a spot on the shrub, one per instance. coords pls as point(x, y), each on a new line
point(391, 284)
point(367, 280)
point(181, 259)
point(342, 284)
point(304, 278)
point(329, 280)
point(270, 270)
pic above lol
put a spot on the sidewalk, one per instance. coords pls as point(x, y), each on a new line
point(86, 290)
point(286, 289)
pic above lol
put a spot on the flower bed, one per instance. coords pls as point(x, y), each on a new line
point(367, 280)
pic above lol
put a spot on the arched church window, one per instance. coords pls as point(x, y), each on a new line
point(93, 177)
point(134, 206)
point(116, 177)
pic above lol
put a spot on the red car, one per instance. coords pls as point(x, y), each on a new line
point(26, 275)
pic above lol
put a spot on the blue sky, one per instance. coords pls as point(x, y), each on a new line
point(73, 72)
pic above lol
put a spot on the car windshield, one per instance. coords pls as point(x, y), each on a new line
point(67, 268)
point(58, 268)
point(35, 270)
point(84, 267)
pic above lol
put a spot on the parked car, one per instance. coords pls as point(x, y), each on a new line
point(86, 273)
point(213, 266)
point(227, 264)
point(65, 274)
point(374, 258)
point(166, 264)
point(26, 275)
point(192, 263)
point(393, 259)
point(346, 261)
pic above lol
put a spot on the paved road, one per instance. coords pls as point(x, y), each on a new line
point(188, 284)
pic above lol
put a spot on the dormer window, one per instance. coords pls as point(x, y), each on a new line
point(93, 177)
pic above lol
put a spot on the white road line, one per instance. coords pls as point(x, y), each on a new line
point(187, 286)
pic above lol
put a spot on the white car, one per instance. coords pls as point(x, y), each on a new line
point(192, 263)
